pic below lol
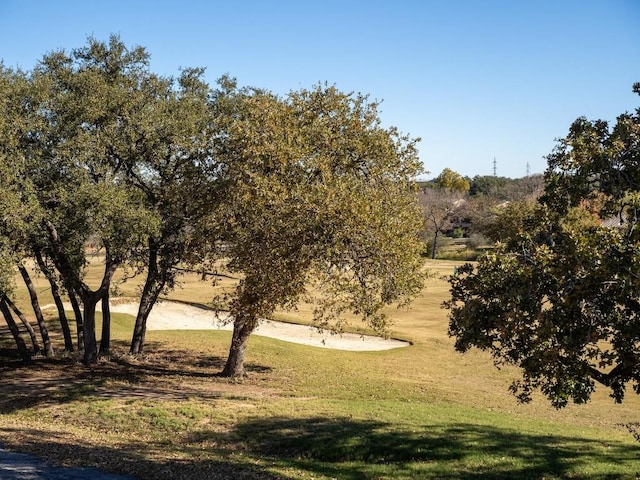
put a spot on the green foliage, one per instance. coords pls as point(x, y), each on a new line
point(559, 296)
point(507, 220)
point(487, 185)
point(448, 179)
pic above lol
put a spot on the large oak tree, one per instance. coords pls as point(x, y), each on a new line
point(321, 202)
point(559, 296)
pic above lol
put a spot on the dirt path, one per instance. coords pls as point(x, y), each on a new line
point(20, 466)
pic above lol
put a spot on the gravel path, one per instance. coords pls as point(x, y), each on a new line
point(19, 466)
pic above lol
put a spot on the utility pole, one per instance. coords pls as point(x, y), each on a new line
point(494, 167)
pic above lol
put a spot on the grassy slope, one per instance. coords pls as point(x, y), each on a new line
point(303, 412)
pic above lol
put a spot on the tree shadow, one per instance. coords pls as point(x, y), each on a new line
point(346, 449)
point(158, 374)
point(131, 459)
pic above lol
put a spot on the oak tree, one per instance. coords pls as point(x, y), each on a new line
point(559, 295)
point(321, 202)
point(80, 106)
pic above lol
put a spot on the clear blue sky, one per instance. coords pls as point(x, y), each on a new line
point(474, 79)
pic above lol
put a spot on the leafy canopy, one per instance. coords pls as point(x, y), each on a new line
point(321, 195)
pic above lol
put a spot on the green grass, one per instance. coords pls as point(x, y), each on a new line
point(304, 412)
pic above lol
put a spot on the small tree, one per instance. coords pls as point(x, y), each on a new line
point(452, 181)
point(440, 208)
point(559, 296)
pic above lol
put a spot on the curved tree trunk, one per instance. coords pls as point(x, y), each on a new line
point(33, 295)
point(27, 325)
point(157, 276)
point(150, 294)
point(22, 347)
point(242, 328)
point(90, 300)
point(105, 340)
point(55, 293)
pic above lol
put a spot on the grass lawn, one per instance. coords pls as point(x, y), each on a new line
point(421, 412)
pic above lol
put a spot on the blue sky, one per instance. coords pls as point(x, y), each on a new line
point(475, 80)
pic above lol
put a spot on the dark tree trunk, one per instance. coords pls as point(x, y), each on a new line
point(105, 340)
point(62, 317)
point(77, 312)
point(55, 292)
point(33, 295)
point(90, 298)
point(242, 328)
point(70, 277)
point(27, 325)
point(89, 301)
point(435, 246)
point(22, 347)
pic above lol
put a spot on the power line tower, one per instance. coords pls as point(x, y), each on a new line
point(494, 167)
point(528, 169)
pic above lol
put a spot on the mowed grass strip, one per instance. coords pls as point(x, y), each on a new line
point(419, 412)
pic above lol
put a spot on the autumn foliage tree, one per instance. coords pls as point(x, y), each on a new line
point(321, 204)
point(558, 297)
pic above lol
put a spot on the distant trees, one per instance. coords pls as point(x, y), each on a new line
point(471, 207)
point(488, 186)
point(559, 296)
point(451, 181)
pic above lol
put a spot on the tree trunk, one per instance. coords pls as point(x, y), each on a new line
point(89, 301)
point(242, 328)
point(33, 295)
point(150, 294)
point(105, 340)
point(77, 312)
point(157, 276)
point(62, 318)
point(27, 325)
point(22, 347)
point(435, 246)
point(55, 292)
point(70, 277)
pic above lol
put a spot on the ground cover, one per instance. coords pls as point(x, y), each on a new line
point(303, 412)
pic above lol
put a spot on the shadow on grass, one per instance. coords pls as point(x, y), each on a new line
point(132, 459)
point(160, 373)
point(345, 449)
point(348, 449)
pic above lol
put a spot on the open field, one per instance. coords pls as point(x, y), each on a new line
point(419, 412)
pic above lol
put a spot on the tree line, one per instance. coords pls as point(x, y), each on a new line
point(293, 194)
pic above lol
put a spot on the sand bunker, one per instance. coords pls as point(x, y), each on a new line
point(177, 316)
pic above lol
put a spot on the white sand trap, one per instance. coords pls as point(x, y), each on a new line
point(178, 316)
